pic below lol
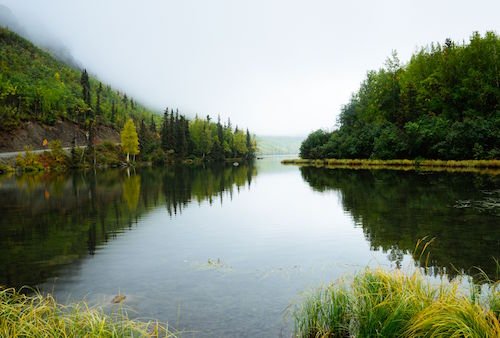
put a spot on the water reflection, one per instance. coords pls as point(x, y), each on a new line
point(396, 209)
point(49, 221)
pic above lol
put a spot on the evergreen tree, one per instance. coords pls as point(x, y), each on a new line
point(125, 101)
point(152, 125)
point(113, 112)
point(250, 146)
point(164, 130)
point(84, 81)
point(171, 132)
point(143, 137)
point(182, 149)
point(98, 100)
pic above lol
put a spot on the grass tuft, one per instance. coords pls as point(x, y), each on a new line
point(379, 303)
point(40, 316)
point(491, 167)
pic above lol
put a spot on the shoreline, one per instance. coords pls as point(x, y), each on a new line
point(491, 167)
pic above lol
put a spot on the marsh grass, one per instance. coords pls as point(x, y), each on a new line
point(40, 316)
point(378, 303)
point(480, 166)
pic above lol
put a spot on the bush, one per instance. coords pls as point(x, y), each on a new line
point(28, 162)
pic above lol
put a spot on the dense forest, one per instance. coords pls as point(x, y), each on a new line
point(35, 86)
point(179, 138)
point(443, 104)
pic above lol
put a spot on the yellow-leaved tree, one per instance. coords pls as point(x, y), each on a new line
point(130, 140)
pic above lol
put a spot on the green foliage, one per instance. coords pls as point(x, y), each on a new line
point(29, 161)
point(5, 168)
point(443, 104)
point(378, 303)
point(129, 138)
point(204, 139)
point(108, 154)
point(56, 159)
point(36, 86)
point(40, 316)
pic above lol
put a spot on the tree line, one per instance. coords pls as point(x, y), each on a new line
point(443, 104)
point(34, 86)
point(178, 138)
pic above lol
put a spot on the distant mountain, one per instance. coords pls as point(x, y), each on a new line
point(279, 145)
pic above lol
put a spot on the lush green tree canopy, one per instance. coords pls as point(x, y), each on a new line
point(443, 104)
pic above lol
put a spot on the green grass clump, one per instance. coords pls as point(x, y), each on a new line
point(378, 303)
point(40, 316)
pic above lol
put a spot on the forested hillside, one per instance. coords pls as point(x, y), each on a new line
point(34, 86)
point(443, 104)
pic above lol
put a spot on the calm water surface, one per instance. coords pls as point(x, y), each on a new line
point(223, 252)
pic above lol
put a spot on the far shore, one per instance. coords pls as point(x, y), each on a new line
point(491, 167)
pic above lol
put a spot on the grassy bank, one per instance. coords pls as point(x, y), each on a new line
point(482, 166)
point(378, 303)
point(41, 316)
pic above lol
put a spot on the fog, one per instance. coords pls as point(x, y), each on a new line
point(278, 67)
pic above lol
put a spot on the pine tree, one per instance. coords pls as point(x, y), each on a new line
point(250, 147)
point(125, 101)
point(84, 81)
point(113, 112)
point(152, 125)
point(130, 139)
point(164, 131)
point(142, 137)
point(171, 132)
point(98, 101)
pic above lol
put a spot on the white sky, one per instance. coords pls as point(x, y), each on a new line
point(278, 67)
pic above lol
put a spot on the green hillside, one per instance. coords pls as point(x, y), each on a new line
point(443, 104)
point(34, 86)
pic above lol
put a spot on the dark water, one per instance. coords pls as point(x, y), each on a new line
point(223, 252)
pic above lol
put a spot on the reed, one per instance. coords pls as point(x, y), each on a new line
point(378, 303)
point(40, 316)
point(486, 166)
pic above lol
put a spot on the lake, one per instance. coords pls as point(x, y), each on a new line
point(225, 251)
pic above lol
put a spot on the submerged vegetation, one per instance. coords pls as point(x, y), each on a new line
point(41, 316)
point(377, 303)
point(443, 104)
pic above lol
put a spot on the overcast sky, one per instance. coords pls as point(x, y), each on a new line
point(278, 67)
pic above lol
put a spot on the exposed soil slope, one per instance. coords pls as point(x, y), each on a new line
point(33, 133)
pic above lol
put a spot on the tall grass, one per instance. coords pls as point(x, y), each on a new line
point(379, 303)
point(40, 316)
point(486, 166)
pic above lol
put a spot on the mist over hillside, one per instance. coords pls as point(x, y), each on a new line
point(39, 36)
